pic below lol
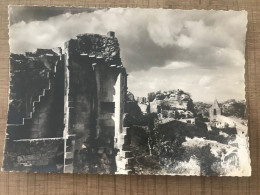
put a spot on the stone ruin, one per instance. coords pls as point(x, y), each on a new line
point(67, 107)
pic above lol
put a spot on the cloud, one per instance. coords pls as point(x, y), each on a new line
point(31, 13)
point(161, 48)
point(176, 65)
point(205, 80)
point(185, 41)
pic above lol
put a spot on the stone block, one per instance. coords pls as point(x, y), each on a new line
point(68, 168)
point(69, 155)
point(125, 147)
point(42, 98)
point(126, 139)
point(68, 161)
point(123, 166)
point(126, 130)
point(27, 121)
point(36, 105)
point(47, 92)
point(126, 154)
point(124, 172)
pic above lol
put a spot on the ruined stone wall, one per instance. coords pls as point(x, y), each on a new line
point(36, 104)
point(81, 104)
point(93, 65)
point(41, 155)
point(28, 78)
point(35, 112)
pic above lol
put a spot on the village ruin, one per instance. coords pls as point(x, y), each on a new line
point(78, 116)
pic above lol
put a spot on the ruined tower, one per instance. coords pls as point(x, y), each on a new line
point(95, 92)
point(71, 119)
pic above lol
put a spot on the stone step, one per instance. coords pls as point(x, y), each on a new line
point(100, 56)
point(46, 92)
point(92, 55)
point(123, 166)
point(126, 139)
point(69, 145)
point(68, 161)
point(84, 54)
point(69, 155)
point(126, 130)
point(36, 105)
point(126, 154)
point(130, 160)
point(125, 147)
point(27, 121)
point(68, 168)
point(123, 136)
point(42, 98)
point(125, 163)
point(124, 172)
point(113, 65)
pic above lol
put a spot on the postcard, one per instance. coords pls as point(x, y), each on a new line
point(127, 91)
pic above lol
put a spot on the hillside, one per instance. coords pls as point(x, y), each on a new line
point(234, 108)
point(228, 108)
point(161, 95)
point(202, 108)
point(170, 100)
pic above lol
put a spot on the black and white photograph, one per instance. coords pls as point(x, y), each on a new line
point(127, 91)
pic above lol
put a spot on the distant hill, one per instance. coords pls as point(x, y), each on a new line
point(161, 95)
point(230, 107)
point(234, 108)
point(202, 108)
point(171, 100)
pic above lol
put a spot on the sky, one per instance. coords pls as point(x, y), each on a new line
point(198, 51)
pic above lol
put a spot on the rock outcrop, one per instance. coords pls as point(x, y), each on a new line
point(169, 101)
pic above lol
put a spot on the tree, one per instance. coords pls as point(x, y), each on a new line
point(160, 96)
point(151, 96)
point(190, 106)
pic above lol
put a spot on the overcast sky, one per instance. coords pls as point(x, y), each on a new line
point(201, 52)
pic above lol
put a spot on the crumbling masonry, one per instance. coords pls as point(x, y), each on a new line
point(71, 119)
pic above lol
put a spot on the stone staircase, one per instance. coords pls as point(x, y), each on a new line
point(13, 129)
point(69, 153)
point(124, 158)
